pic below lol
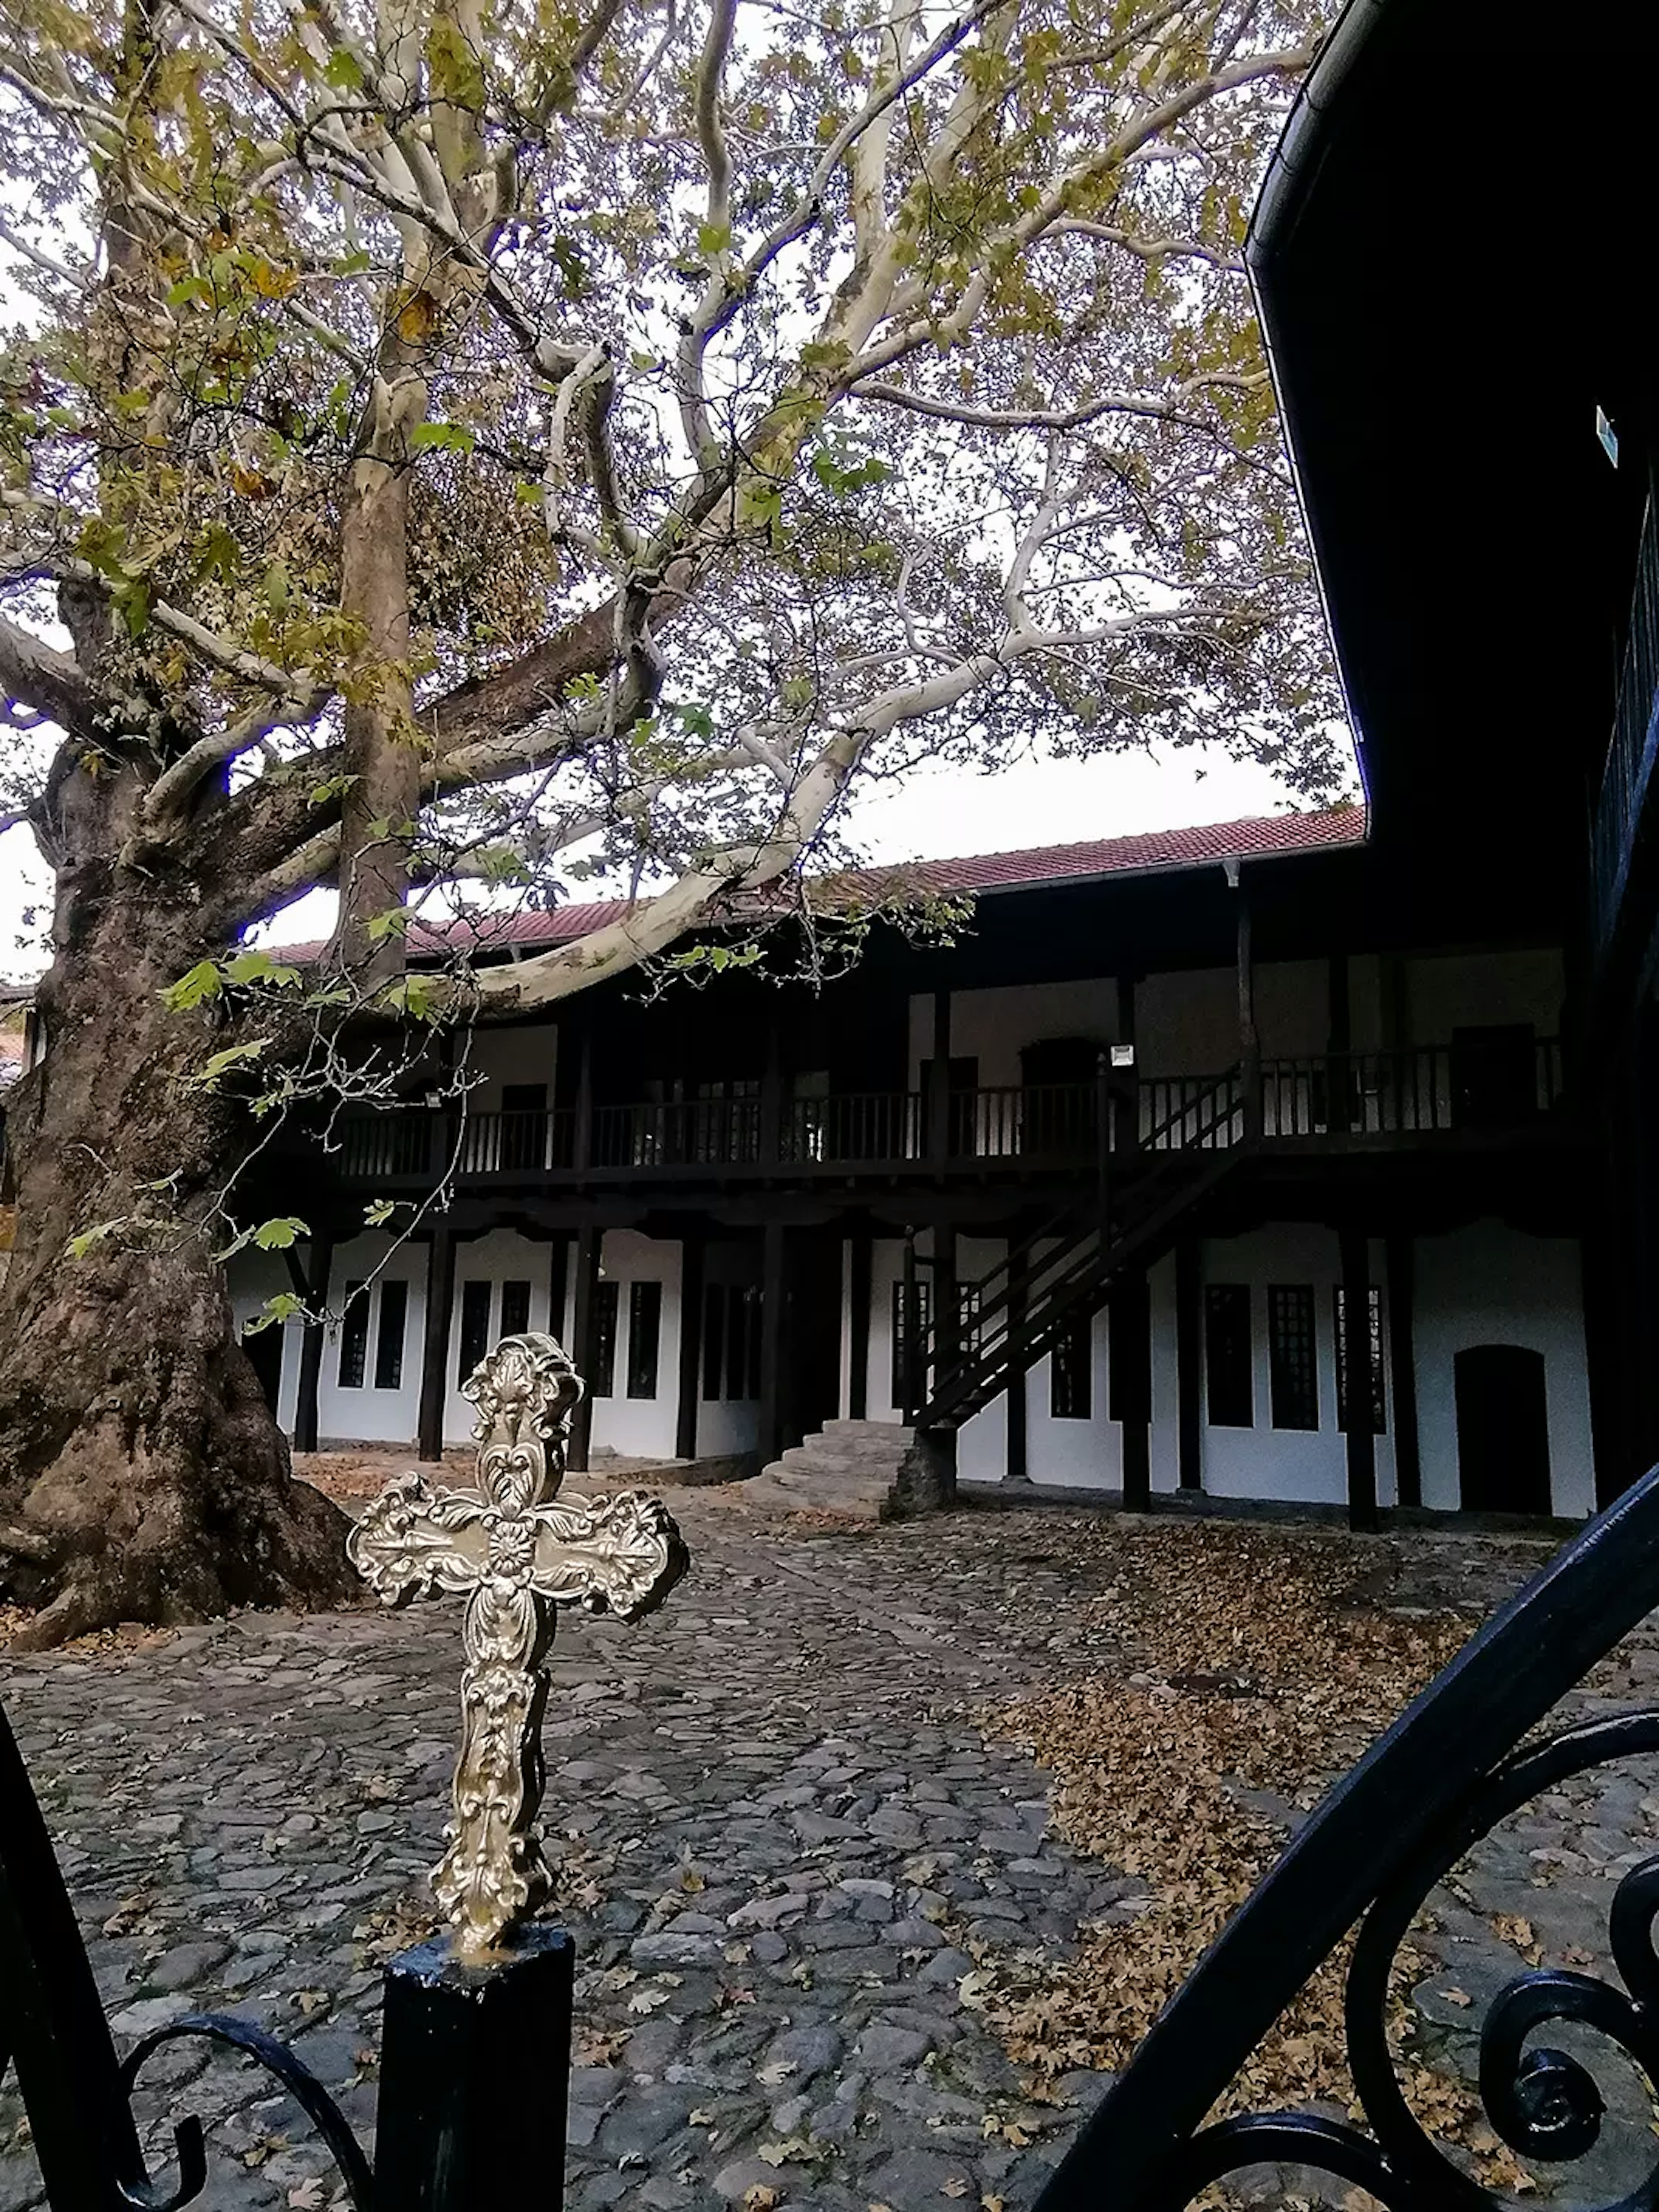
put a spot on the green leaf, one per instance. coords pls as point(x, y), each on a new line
point(441, 437)
point(714, 237)
point(253, 966)
point(80, 1246)
point(343, 70)
point(220, 1063)
point(276, 1235)
point(193, 988)
point(285, 1306)
point(379, 1212)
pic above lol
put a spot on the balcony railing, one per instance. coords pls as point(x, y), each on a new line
point(1426, 1091)
point(1626, 779)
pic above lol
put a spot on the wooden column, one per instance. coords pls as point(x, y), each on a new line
point(691, 1277)
point(434, 1343)
point(1249, 1042)
point(774, 1286)
point(771, 1099)
point(1190, 1382)
point(947, 1335)
point(858, 1326)
point(589, 1246)
point(1131, 1324)
point(1126, 1133)
point(1016, 1465)
point(313, 1287)
point(1402, 1372)
point(558, 1284)
point(1361, 1439)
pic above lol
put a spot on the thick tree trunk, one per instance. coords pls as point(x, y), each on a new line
point(141, 1474)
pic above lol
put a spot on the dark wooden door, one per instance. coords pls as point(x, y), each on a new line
point(1503, 1430)
point(1494, 1078)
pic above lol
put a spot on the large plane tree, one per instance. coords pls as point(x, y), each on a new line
point(459, 440)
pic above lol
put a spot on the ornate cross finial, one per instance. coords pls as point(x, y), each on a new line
point(516, 1556)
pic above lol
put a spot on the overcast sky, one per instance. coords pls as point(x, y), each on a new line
point(934, 815)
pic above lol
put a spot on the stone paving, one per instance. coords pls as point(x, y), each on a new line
point(775, 1824)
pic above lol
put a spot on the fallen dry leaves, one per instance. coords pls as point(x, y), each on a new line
point(1250, 1676)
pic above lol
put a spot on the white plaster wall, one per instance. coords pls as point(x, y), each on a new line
point(1292, 1010)
point(1489, 1284)
point(991, 1025)
point(1445, 990)
point(511, 1056)
point(252, 1278)
point(1187, 1023)
point(368, 1415)
point(1299, 1466)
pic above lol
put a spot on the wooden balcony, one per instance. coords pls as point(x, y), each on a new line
point(1429, 1092)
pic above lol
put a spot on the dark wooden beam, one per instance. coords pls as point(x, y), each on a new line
point(434, 1343)
point(690, 1377)
point(1015, 1464)
point(1361, 1437)
point(1402, 1371)
point(1341, 1042)
point(584, 1347)
point(1189, 1372)
point(858, 1325)
point(1249, 1041)
point(558, 1283)
point(773, 1291)
point(313, 1287)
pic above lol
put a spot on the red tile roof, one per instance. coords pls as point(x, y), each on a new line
point(1258, 837)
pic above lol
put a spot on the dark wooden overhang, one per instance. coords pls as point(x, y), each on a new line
point(1452, 256)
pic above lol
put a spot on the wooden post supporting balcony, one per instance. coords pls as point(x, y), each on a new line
point(1126, 1133)
point(1356, 1355)
point(771, 1100)
point(313, 1287)
point(1016, 1467)
point(590, 1246)
point(435, 1344)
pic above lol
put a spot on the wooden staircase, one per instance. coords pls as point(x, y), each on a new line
point(1064, 1271)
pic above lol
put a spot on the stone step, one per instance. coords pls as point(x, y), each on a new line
point(820, 1456)
point(895, 1431)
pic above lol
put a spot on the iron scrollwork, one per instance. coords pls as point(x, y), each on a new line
point(1458, 1762)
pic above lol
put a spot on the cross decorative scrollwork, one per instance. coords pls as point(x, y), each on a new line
point(516, 1552)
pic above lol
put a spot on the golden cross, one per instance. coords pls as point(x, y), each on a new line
point(516, 1556)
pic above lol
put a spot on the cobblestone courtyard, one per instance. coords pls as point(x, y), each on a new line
point(782, 1842)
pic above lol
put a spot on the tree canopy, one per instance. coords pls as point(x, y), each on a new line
point(458, 436)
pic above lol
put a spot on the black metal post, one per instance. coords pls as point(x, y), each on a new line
point(475, 2077)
